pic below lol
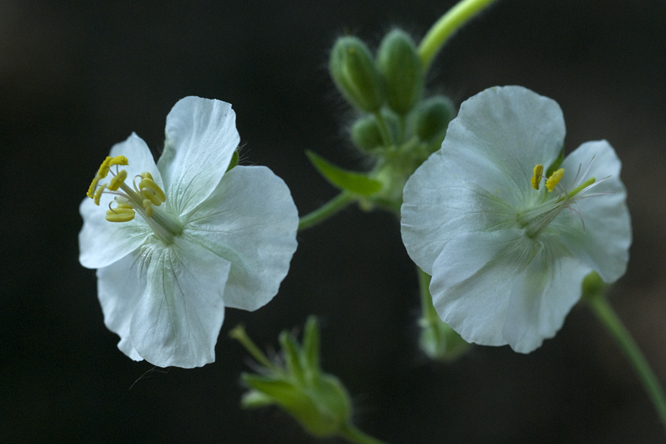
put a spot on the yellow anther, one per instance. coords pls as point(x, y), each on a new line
point(120, 214)
point(554, 179)
point(536, 177)
point(118, 160)
point(93, 187)
point(148, 206)
point(104, 168)
point(108, 162)
point(123, 205)
point(118, 180)
point(150, 190)
point(98, 194)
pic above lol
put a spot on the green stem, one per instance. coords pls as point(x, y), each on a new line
point(352, 434)
point(449, 23)
point(600, 306)
point(327, 210)
point(238, 333)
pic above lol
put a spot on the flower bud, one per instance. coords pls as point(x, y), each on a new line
point(355, 74)
point(440, 342)
point(401, 71)
point(432, 117)
point(366, 135)
point(317, 400)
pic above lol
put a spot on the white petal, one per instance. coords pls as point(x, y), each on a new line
point(201, 137)
point(178, 319)
point(437, 205)
point(499, 136)
point(472, 281)
point(119, 288)
point(604, 244)
point(251, 220)
point(542, 296)
point(101, 242)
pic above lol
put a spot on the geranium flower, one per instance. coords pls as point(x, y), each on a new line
point(508, 247)
point(176, 242)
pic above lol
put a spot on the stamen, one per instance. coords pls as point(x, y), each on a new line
point(123, 212)
point(98, 194)
point(148, 206)
point(104, 168)
point(92, 187)
point(150, 190)
point(118, 180)
point(554, 179)
point(579, 188)
point(536, 177)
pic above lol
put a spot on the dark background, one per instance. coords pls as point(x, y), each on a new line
point(77, 77)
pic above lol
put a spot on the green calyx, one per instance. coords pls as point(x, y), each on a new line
point(318, 401)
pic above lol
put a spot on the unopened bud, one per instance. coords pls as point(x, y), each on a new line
point(400, 69)
point(432, 117)
point(354, 73)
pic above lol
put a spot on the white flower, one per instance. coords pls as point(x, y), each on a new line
point(204, 239)
point(508, 260)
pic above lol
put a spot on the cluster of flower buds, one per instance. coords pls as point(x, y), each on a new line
point(389, 89)
point(317, 400)
point(397, 125)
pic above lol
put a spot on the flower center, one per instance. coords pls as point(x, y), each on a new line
point(143, 198)
point(538, 217)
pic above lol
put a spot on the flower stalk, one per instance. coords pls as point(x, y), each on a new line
point(450, 22)
point(600, 306)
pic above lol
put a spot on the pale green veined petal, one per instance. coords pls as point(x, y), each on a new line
point(177, 320)
point(499, 136)
point(119, 288)
point(451, 204)
point(201, 137)
point(473, 279)
point(604, 243)
point(542, 296)
point(251, 220)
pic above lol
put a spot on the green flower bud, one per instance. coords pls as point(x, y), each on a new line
point(440, 342)
point(401, 71)
point(432, 117)
point(366, 135)
point(317, 400)
point(355, 74)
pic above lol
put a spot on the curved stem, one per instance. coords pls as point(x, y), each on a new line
point(238, 333)
point(352, 434)
point(327, 210)
point(600, 306)
point(450, 22)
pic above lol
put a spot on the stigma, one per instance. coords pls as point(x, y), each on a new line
point(539, 216)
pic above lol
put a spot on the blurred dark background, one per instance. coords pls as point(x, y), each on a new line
point(77, 77)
